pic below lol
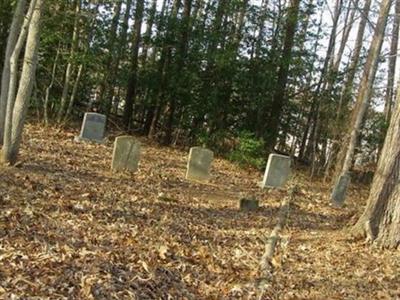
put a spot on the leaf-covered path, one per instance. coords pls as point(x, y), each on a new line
point(72, 229)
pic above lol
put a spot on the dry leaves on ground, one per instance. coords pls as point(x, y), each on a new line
point(72, 229)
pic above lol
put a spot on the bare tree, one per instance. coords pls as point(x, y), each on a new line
point(68, 70)
point(49, 87)
point(16, 24)
point(14, 127)
point(364, 92)
point(380, 221)
point(392, 62)
point(279, 98)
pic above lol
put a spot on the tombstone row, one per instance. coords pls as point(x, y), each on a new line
point(126, 155)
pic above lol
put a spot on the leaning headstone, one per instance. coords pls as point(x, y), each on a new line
point(126, 154)
point(248, 204)
point(93, 128)
point(277, 171)
point(199, 164)
point(339, 191)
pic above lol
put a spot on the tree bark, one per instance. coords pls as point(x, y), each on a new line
point(320, 93)
point(182, 57)
point(147, 34)
point(11, 146)
point(164, 67)
point(392, 62)
point(348, 26)
point(154, 110)
point(108, 79)
point(132, 82)
point(13, 80)
point(68, 70)
point(380, 221)
point(261, 26)
point(307, 93)
point(279, 98)
point(6, 16)
point(346, 95)
point(367, 81)
point(15, 28)
point(49, 87)
point(73, 93)
point(123, 39)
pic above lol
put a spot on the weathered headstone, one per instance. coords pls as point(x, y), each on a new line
point(93, 128)
point(126, 154)
point(248, 204)
point(277, 171)
point(199, 164)
point(339, 191)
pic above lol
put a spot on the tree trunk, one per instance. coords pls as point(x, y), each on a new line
point(13, 80)
point(154, 110)
point(380, 221)
point(108, 80)
point(132, 82)
point(346, 94)
point(123, 40)
point(164, 67)
point(348, 26)
point(16, 24)
point(261, 26)
point(279, 99)
point(392, 62)
point(307, 93)
point(6, 16)
point(212, 46)
point(49, 87)
point(318, 104)
point(68, 70)
point(73, 93)
point(14, 129)
point(182, 57)
point(147, 34)
point(367, 81)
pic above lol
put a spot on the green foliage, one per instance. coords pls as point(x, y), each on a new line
point(249, 151)
point(374, 131)
point(218, 141)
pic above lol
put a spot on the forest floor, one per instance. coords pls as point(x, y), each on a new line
point(72, 229)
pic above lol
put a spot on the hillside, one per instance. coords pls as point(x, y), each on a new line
point(72, 229)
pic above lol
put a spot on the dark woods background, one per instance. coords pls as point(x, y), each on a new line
point(242, 77)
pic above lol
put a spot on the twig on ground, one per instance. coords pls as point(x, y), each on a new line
point(266, 267)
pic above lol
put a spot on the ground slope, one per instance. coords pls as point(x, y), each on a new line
point(70, 228)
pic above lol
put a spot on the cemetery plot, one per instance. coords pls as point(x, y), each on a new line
point(277, 171)
point(93, 128)
point(68, 220)
point(248, 204)
point(339, 192)
point(199, 164)
point(126, 154)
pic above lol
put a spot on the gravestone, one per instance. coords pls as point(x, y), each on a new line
point(93, 128)
point(199, 164)
point(277, 171)
point(248, 204)
point(339, 191)
point(126, 154)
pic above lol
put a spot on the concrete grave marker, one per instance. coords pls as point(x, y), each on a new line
point(339, 191)
point(199, 164)
point(126, 154)
point(93, 127)
point(277, 171)
point(248, 204)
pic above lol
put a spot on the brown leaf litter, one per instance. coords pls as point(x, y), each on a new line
point(72, 229)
